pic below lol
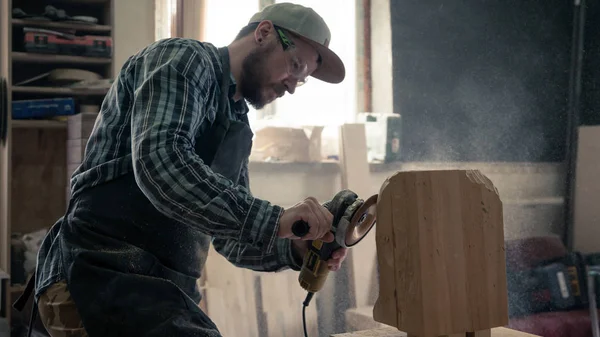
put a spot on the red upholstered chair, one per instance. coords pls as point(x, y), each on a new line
point(525, 253)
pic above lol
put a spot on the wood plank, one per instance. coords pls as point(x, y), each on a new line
point(393, 332)
point(482, 333)
point(445, 232)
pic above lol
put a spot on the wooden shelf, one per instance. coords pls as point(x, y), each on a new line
point(79, 92)
point(38, 124)
point(54, 58)
point(61, 25)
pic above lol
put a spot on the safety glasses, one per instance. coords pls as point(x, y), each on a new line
point(296, 68)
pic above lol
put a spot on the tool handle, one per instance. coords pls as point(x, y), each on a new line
point(300, 228)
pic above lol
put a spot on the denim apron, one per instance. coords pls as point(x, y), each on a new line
point(131, 270)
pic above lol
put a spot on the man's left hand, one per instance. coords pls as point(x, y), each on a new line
point(334, 263)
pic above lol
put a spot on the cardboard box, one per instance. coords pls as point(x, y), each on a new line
point(282, 144)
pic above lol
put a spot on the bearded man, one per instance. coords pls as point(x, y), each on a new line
point(165, 173)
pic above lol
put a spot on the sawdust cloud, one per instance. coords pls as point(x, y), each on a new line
point(486, 82)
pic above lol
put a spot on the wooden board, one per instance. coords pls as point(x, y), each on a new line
point(229, 296)
point(440, 247)
point(392, 332)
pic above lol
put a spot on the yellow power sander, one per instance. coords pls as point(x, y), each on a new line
point(353, 218)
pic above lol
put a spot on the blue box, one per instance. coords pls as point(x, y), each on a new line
point(43, 108)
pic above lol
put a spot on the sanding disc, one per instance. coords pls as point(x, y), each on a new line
point(362, 221)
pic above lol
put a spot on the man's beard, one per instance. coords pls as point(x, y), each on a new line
point(254, 76)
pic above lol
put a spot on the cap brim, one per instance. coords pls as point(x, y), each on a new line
point(332, 68)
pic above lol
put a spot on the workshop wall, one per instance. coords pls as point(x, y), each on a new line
point(482, 81)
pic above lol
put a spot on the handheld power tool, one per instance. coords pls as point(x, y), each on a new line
point(353, 218)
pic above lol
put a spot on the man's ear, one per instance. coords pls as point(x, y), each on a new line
point(263, 32)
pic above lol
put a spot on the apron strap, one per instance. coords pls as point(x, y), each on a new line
point(225, 80)
point(215, 135)
point(221, 123)
point(20, 303)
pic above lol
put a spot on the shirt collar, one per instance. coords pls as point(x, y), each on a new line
point(239, 107)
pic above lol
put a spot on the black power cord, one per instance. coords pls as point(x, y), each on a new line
point(305, 304)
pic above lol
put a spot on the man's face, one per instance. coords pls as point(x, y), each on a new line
point(269, 71)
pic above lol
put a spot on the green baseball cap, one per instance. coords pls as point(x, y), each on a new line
point(311, 27)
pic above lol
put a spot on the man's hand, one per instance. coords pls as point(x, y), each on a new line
point(318, 218)
point(334, 263)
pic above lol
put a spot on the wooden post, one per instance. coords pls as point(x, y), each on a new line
point(440, 247)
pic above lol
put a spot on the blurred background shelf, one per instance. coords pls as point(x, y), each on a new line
point(82, 27)
point(54, 58)
point(38, 124)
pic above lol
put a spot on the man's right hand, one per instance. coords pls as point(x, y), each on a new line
point(319, 220)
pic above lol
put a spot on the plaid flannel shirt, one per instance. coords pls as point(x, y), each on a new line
point(162, 101)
